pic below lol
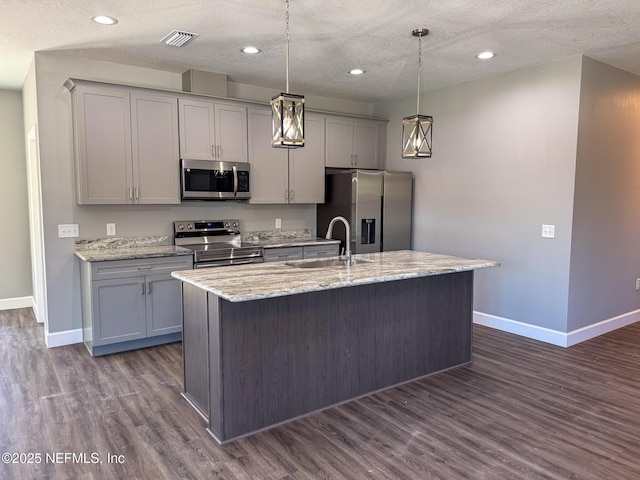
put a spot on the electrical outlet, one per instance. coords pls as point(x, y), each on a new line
point(637, 284)
point(111, 229)
point(548, 231)
point(68, 230)
point(278, 223)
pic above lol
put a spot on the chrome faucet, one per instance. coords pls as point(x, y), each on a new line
point(348, 236)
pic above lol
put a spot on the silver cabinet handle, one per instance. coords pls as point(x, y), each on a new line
point(137, 193)
point(130, 193)
point(142, 288)
point(219, 149)
point(286, 195)
point(147, 267)
point(148, 287)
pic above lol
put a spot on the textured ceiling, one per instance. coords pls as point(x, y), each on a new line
point(328, 38)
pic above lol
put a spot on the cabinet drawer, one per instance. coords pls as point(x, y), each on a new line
point(320, 251)
point(282, 254)
point(139, 267)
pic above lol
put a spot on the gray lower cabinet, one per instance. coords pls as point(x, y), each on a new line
point(285, 254)
point(129, 304)
point(282, 254)
point(321, 251)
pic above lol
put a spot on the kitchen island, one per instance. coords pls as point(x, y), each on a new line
point(267, 343)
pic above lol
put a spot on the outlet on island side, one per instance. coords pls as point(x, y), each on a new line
point(278, 223)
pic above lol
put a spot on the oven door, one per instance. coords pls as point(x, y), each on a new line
point(212, 180)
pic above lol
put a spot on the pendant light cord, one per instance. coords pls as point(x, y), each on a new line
point(419, 71)
point(287, 49)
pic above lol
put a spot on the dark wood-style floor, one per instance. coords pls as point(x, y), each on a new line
point(524, 409)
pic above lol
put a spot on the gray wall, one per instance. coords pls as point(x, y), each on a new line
point(503, 165)
point(15, 262)
point(605, 253)
point(56, 157)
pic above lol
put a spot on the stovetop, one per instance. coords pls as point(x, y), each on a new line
point(213, 240)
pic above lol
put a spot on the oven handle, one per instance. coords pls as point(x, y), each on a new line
point(235, 181)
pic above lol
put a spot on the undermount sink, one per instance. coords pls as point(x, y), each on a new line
point(330, 262)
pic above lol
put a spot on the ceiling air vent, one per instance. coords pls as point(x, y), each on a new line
point(178, 38)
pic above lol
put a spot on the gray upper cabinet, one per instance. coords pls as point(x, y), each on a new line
point(154, 127)
point(212, 131)
point(126, 146)
point(285, 175)
point(352, 143)
point(306, 165)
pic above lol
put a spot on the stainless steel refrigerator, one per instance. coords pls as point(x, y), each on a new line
point(377, 205)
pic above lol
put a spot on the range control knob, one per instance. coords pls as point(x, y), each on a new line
point(227, 225)
point(181, 226)
point(190, 226)
point(235, 224)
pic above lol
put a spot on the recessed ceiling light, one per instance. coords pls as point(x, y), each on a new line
point(356, 71)
point(485, 55)
point(104, 20)
point(251, 50)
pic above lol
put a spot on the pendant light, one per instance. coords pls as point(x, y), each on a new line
point(417, 131)
point(287, 111)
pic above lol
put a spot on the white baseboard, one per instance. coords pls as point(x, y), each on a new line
point(59, 339)
point(556, 337)
point(600, 328)
point(18, 302)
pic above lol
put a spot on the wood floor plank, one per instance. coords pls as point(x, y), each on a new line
point(522, 410)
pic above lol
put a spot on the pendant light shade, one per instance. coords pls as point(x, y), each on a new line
point(287, 113)
point(417, 130)
point(287, 110)
point(417, 136)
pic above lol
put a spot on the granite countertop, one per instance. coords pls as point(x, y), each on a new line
point(266, 280)
point(283, 238)
point(290, 242)
point(104, 249)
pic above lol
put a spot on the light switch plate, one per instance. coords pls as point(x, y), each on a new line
point(548, 231)
point(278, 223)
point(111, 229)
point(68, 230)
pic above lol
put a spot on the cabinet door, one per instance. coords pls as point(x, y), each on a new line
point(339, 143)
point(366, 143)
point(118, 310)
point(197, 136)
point(154, 129)
point(231, 133)
point(164, 305)
point(269, 182)
point(103, 145)
point(306, 165)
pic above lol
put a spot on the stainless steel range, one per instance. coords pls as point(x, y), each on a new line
point(215, 243)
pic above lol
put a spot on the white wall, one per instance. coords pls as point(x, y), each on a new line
point(57, 166)
point(15, 263)
point(503, 165)
point(605, 254)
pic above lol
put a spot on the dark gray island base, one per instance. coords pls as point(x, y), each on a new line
point(251, 365)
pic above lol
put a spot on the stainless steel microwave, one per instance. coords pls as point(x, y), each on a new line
point(213, 180)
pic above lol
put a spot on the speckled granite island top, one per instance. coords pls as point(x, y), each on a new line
point(258, 281)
